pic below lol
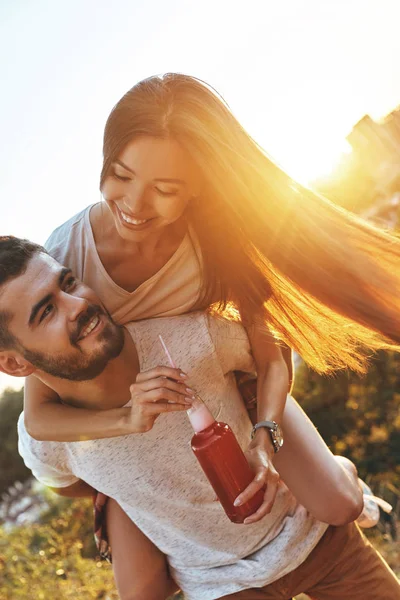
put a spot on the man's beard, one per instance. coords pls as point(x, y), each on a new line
point(82, 367)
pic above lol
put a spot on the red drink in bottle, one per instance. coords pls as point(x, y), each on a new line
point(221, 458)
point(223, 462)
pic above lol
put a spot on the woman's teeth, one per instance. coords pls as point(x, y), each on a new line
point(131, 220)
point(90, 327)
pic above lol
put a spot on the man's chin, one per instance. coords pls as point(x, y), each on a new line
point(81, 367)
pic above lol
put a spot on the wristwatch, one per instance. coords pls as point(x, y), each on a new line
point(274, 431)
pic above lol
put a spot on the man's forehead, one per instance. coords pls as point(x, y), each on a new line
point(40, 272)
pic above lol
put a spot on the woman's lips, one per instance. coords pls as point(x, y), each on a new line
point(132, 221)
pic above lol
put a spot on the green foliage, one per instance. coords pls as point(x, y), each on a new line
point(12, 467)
point(358, 417)
point(46, 561)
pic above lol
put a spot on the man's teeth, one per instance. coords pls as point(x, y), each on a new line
point(132, 220)
point(90, 327)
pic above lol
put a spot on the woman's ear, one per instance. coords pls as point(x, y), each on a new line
point(12, 363)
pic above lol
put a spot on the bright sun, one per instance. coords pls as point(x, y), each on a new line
point(306, 141)
point(315, 162)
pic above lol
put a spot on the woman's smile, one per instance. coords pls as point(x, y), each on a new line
point(133, 223)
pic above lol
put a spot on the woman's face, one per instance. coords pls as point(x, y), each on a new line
point(149, 186)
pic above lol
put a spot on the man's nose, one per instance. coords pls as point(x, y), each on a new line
point(75, 306)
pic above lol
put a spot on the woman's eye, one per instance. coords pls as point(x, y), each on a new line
point(165, 193)
point(46, 312)
point(121, 177)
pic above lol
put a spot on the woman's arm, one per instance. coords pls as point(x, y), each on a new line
point(272, 389)
point(319, 480)
point(47, 419)
point(156, 391)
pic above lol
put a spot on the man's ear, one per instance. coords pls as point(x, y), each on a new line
point(12, 363)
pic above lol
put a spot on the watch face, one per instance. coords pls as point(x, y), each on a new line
point(278, 436)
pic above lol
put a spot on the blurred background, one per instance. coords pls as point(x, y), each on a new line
point(316, 84)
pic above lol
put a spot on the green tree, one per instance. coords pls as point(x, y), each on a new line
point(358, 416)
point(12, 467)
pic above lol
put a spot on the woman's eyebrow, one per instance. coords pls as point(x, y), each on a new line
point(158, 179)
point(170, 180)
point(119, 162)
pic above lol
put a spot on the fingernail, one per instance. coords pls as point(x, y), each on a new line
point(189, 400)
point(237, 502)
point(190, 391)
point(182, 375)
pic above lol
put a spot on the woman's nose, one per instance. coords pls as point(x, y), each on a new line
point(135, 200)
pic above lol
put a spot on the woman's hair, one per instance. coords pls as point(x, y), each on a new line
point(325, 281)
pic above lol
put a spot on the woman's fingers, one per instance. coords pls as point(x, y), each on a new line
point(266, 506)
point(267, 479)
point(165, 407)
point(163, 394)
point(253, 487)
point(164, 382)
point(161, 371)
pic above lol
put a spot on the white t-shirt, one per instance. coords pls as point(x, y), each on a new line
point(158, 482)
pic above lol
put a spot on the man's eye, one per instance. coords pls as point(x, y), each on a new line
point(70, 283)
point(165, 193)
point(46, 312)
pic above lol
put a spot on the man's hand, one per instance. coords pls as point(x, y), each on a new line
point(259, 456)
point(159, 390)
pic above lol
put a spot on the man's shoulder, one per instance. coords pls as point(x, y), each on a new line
point(27, 445)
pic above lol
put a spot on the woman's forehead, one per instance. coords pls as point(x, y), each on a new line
point(162, 158)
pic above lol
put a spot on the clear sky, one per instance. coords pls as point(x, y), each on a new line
point(298, 74)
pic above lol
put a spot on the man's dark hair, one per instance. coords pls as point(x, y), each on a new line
point(15, 254)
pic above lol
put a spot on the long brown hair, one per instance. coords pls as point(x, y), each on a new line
point(326, 282)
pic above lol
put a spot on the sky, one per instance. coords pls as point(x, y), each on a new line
point(298, 75)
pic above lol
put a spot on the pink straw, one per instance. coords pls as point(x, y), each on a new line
point(170, 359)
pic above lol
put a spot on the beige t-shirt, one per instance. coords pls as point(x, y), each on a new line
point(173, 290)
point(159, 484)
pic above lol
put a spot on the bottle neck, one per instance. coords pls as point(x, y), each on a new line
point(199, 415)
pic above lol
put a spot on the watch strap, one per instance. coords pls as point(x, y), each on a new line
point(268, 424)
point(271, 426)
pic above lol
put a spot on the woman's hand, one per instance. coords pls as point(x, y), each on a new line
point(259, 456)
point(156, 391)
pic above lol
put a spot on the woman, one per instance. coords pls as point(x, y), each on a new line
point(196, 214)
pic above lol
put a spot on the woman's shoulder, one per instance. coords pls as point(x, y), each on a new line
point(69, 243)
point(66, 230)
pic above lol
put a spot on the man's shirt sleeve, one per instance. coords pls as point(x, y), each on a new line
point(48, 461)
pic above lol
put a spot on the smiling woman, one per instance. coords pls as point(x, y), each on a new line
point(148, 188)
point(195, 215)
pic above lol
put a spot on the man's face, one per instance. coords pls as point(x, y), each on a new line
point(59, 324)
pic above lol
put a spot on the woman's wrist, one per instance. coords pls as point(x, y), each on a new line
point(262, 438)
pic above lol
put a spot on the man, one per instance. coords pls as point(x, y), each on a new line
point(59, 332)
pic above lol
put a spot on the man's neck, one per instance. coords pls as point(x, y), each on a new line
point(109, 390)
